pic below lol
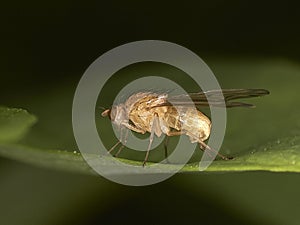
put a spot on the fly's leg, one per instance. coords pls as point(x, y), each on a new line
point(113, 147)
point(155, 125)
point(166, 148)
point(131, 127)
point(169, 134)
point(175, 133)
point(134, 128)
point(123, 144)
point(123, 140)
point(119, 141)
point(204, 146)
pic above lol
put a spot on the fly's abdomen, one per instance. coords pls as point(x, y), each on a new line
point(195, 124)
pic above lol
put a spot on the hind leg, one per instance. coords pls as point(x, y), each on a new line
point(204, 147)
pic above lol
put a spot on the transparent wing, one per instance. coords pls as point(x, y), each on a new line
point(216, 98)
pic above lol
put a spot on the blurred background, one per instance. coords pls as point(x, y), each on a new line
point(47, 45)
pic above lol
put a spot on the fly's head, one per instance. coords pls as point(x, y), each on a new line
point(117, 114)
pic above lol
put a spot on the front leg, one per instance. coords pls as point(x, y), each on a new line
point(133, 128)
point(124, 141)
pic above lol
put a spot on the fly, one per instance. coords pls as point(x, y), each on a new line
point(159, 114)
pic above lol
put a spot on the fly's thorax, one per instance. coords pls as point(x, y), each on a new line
point(144, 100)
point(135, 99)
point(118, 114)
point(142, 110)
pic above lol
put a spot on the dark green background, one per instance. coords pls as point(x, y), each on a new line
point(46, 47)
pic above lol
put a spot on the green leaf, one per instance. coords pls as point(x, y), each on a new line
point(53, 159)
point(278, 156)
point(14, 123)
